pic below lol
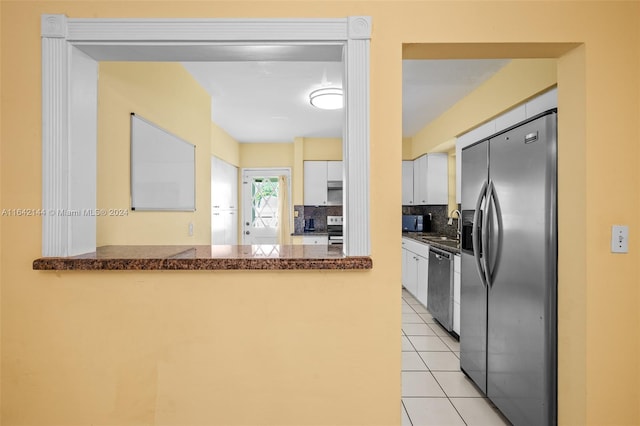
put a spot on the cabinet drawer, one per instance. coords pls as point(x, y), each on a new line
point(416, 247)
point(315, 239)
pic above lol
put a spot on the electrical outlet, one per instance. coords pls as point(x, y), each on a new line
point(295, 213)
point(191, 229)
point(619, 239)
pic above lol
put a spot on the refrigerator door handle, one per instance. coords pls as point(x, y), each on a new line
point(474, 235)
point(492, 267)
point(485, 233)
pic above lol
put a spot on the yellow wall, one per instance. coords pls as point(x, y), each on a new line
point(233, 347)
point(224, 146)
point(167, 95)
point(407, 149)
point(258, 155)
point(516, 82)
point(320, 149)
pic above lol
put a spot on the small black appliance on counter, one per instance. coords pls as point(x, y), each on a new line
point(415, 223)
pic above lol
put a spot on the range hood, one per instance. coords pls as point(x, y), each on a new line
point(334, 184)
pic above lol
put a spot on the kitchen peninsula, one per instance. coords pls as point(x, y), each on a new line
point(206, 257)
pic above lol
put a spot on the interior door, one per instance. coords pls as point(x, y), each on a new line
point(260, 193)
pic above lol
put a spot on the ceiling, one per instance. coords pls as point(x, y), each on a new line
point(259, 92)
point(430, 87)
point(267, 100)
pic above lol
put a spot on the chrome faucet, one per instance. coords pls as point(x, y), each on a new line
point(450, 222)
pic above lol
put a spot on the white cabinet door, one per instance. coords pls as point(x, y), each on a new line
point(422, 264)
point(420, 181)
point(430, 179)
point(334, 170)
point(511, 117)
point(407, 183)
point(542, 103)
point(224, 185)
point(437, 181)
point(315, 183)
point(232, 182)
point(232, 227)
point(316, 240)
point(412, 274)
point(405, 264)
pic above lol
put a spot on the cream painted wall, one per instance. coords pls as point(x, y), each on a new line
point(321, 149)
point(258, 155)
point(224, 146)
point(167, 95)
point(407, 149)
point(145, 347)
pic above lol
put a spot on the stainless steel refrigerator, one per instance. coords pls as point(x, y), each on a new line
point(509, 269)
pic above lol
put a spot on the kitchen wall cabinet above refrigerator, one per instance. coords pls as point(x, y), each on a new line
point(535, 106)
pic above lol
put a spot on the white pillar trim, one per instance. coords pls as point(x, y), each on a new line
point(60, 33)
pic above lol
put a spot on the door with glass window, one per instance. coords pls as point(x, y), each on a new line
point(261, 205)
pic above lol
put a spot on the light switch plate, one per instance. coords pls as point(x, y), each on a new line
point(619, 239)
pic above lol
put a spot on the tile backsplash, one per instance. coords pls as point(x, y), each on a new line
point(439, 218)
point(317, 213)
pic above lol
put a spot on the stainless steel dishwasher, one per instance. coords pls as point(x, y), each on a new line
point(440, 292)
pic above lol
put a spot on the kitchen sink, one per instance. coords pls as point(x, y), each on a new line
point(434, 238)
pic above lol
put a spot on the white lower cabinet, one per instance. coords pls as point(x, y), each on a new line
point(456, 294)
point(415, 269)
point(319, 240)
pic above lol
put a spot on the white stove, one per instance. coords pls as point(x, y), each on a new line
point(334, 229)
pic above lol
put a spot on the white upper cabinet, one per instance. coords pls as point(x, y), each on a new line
point(407, 183)
point(334, 170)
point(542, 103)
point(511, 117)
point(419, 180)
point(224, 185)
point(315, 183)
point(437, 178)
point(224, 202)
point(430, 179)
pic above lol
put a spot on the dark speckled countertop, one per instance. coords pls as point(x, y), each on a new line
point(257, 257)
point(450, 245)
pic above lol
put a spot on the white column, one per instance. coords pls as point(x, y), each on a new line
point(55, 135)
point(356, 142)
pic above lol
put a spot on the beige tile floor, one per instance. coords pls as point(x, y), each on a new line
point(434, 390)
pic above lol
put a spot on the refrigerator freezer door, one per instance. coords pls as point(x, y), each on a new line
point(521, 327)
point(473, 293)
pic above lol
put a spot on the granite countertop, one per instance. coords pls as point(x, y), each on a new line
point(205, 257)
point(449, 245)
point(297, 234)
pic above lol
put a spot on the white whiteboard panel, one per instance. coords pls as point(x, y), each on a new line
point(162, 169)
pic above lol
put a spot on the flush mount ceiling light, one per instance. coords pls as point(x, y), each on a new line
point(326, 98)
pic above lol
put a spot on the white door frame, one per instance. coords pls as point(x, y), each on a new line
point(268, 171)
point(69, 103)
